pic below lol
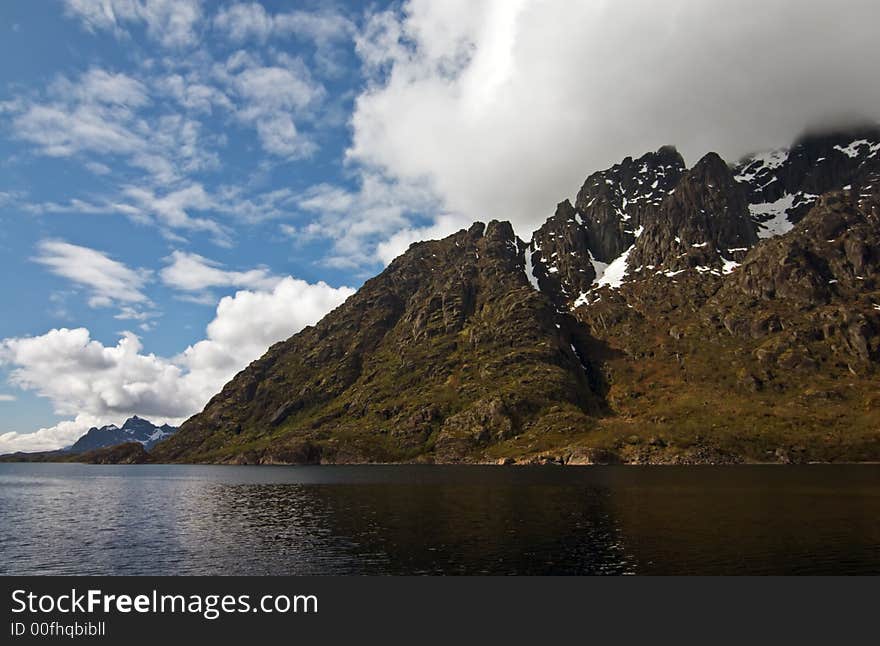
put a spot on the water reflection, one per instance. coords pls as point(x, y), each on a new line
point(421, 529)
point(76, 519)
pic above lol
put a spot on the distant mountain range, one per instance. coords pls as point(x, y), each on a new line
point(134, 429)
point(105, 445)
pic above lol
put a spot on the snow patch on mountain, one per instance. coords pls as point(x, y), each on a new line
point(761, 163)
point(727, 266)
point(529, 269)
point(862, 146)
point(616, 271)
point(599, 267)
point(772, 217)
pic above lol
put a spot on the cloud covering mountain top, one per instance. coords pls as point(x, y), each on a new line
point(504, 107)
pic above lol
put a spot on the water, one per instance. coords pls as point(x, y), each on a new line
point(153, 519)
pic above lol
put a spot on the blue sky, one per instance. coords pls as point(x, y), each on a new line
point(137, 141)
point(185, 182)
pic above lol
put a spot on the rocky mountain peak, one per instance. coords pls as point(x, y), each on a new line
point(703, 222)
point(570, 252)
point(135, 429)
point(135, 423)
point(653, 214)
point(614, 203)
point(782, 185)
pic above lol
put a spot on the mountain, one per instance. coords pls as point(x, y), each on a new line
point(449, 350)
point(718, 313)
point(134, 429)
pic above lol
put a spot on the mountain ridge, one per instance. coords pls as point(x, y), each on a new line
point(134, 429)
point(482, 347)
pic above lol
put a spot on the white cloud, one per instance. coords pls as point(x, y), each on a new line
point(8, 197)
point(172, 209)
point(98, 168)
point(243, 21)
point(279, 136)
point(170, 22)
point(358, 220)
point(194, 273)
point(250, 321)
point(108, 281)
point(60, 132)
point(100, 113)
point(176, 209)
point(503, 107)
point(255, 207)
point(48, 439)
point(103, 87)
point(270, 97)
point(80, 375)
point(7, 398)
point(101, 384)
point(193, 94)
point(268, 89)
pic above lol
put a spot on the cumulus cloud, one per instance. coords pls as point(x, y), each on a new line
point(48, 439)
point(80, 375)
point(100, 384)
point(108, 281)
point(504, 106)
point(172, 23)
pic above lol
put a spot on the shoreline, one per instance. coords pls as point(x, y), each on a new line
point(744, 463)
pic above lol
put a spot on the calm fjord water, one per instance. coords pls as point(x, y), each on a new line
point(153, 519)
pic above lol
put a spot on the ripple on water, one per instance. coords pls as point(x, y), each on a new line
point(79, 519)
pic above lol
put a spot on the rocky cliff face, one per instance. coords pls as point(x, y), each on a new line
point(710, 314)
point(703, 222)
